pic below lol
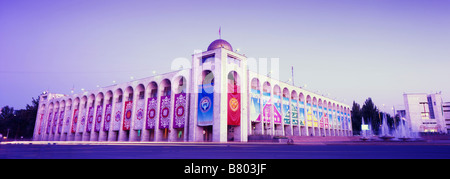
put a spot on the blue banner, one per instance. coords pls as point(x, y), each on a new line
point(286, 112)
point(255, 105)
point(205, 105)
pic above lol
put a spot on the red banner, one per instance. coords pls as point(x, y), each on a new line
point(234, 105)
point(127, 116)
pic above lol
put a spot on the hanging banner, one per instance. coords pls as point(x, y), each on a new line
point(315, 116)
point(117, 116)
point(330, 118)
point(255, 105)
point(294, 111)
point(127, 117)
point(75, 121)
point(90, 119)
point(234, 105)
point(164, 117)
point(152, 105)
point(205, 110)
point(54, 122)
point(61, 121)
point(138, 123)
point(325, 117)
point(309, 115)
point(321, 120)
point(67, 122)
point(286, 112)
point(267, 105)
point(108, 117)
point(41, 121)
point(302, 113)
point(98, 118)
point(179, 110)
point(277, 109)
point(82, 125)
point(49, 121)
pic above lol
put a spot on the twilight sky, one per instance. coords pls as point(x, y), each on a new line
point(349, 49)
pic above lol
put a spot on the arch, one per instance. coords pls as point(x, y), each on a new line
point(91, 100)
point(140, 91)
point(180, 84)
point(118, 95)
point(99, 98)
point(301, 97)
point(233, 82)
point(277, 90)
point(166, 87)
point(129, 92)
point(207, 77)
point(294, 95)
point(266, 87)
point(109, 97)
point(308, 99)
point(152, 89)
point(255, 84)
point(286, 93)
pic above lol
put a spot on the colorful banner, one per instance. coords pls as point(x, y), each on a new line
point(325, 117)
point(286, 112)
point(49, 121)
point(152, 106)
point(302, 113)
point(205, 113)
point(255, 105)
point(309, 115)
point(73, 129)
point(179, 110)
point(321, 120)
point(315, 116)
point(164, 115)
point(294, 111)
point(117, 115)
point(138, 123)
point(277, 109)
point(67, 122)
point(108, 117)
point(267, 105)
point(41, 121)
point(98, 118)
point(330, 118)
point(54, 122)
point(234, 105)
point(61, 121)
point(82, 125)
point(90, 119)
point(127, 117)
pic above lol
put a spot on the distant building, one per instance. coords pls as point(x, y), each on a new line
point(424, 112)
point(446, 109)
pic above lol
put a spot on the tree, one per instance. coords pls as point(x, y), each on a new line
point(19, 123)
point(356, 118)
point(371, 114)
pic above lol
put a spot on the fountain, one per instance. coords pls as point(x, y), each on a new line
point(385, 132)
point(364, 131)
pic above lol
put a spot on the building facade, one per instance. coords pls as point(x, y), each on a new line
point(446, 109)
point(218, 99)
point(424, 112)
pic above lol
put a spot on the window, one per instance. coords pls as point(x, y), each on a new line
point(208, 59)
point(430, 106)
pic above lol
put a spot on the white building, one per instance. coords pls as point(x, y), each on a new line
point(218, 100)
point(424, 112)
point(446, 108)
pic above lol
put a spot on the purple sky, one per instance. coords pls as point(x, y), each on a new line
point(350, 49)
